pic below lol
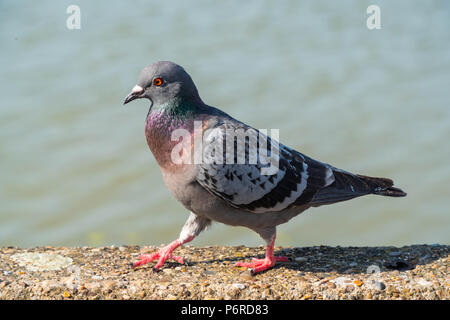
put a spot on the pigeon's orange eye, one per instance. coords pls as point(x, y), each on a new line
point(157, 82)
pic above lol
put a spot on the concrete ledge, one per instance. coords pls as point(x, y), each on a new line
point(410, 272)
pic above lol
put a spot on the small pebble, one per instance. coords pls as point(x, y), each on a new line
point(301, 259)
point(167, 271)
point(238, 286)
point(425, 257)
point(378, 285)
point(348, 271)
point(358, 283)
point(208, 272)
point(247, 275)
point(331, 285)
point(395, 253)
point(69, 282)
point(92, 286)
point(423, 282)
point(342, 281)
point(109, 284)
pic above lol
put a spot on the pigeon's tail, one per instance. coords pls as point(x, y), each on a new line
point(382, 186)
point(347, 186)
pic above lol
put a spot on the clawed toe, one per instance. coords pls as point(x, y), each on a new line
point(259, 265)
point(162, 255)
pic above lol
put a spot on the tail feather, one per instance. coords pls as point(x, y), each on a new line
point(382, 186)
point(347, 186)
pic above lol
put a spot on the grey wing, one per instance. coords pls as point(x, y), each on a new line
point(244, 184)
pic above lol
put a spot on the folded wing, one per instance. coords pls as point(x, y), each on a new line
point(243, 184)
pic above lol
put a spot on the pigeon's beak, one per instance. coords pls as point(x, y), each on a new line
point(135, 93)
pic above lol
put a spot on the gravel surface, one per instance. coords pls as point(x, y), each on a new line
point(321, 272)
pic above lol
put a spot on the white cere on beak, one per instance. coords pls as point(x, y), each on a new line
point(137, 89)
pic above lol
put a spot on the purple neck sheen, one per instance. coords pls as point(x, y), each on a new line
point(159, 120)
point(160, 124)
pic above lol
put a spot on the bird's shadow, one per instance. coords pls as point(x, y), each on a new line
point(349, 260)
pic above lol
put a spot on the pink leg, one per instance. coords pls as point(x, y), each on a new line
point(162, 255)
point(268, 262)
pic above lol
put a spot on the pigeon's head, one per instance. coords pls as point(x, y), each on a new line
point(162, 82)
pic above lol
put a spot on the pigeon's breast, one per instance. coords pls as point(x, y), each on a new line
point(168, 139)
point(181, 183)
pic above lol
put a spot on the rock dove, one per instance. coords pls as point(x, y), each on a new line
point(255, 181)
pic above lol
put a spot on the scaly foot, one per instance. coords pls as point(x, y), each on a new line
point(162, 255)
point(268, 262)
point(259, 265)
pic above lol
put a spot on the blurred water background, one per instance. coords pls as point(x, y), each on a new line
point(75, 168)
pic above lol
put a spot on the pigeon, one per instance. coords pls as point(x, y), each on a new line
point(221, 169)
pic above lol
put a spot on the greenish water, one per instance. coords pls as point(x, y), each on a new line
point(75, 167)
